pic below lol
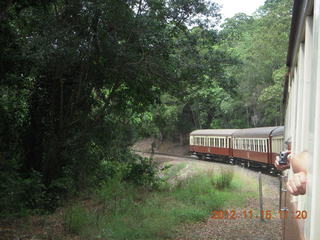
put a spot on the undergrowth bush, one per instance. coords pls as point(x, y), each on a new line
point(128, 211)
point(224, 179)
point(18, 195)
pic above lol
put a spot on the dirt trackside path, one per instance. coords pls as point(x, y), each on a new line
point(242, 228)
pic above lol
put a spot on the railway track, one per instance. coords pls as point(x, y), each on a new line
point(222, 162)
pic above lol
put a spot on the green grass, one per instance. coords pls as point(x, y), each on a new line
point(129, 212)
point(173, 170)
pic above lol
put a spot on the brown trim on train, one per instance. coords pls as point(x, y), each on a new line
point(251, 155)
point(210, 150)
point(230, 147)
point(270, 152)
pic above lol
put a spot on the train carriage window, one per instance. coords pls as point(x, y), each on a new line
point(256, 145)
point(259, 146)
point(221, 142)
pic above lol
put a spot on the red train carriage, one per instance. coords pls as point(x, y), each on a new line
point(255, 145)
point(211, 143)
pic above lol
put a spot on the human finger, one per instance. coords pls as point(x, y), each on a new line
point(292, 187)
point(298, 184)
point(303, 182)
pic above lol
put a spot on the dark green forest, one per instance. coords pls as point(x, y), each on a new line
point(81, 81)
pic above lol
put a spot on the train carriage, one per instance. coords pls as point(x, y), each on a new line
point(302, 121)
point(211, 143)
point(250, 147)
point(253, 146)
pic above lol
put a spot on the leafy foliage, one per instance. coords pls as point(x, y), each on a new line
point(80, 81)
